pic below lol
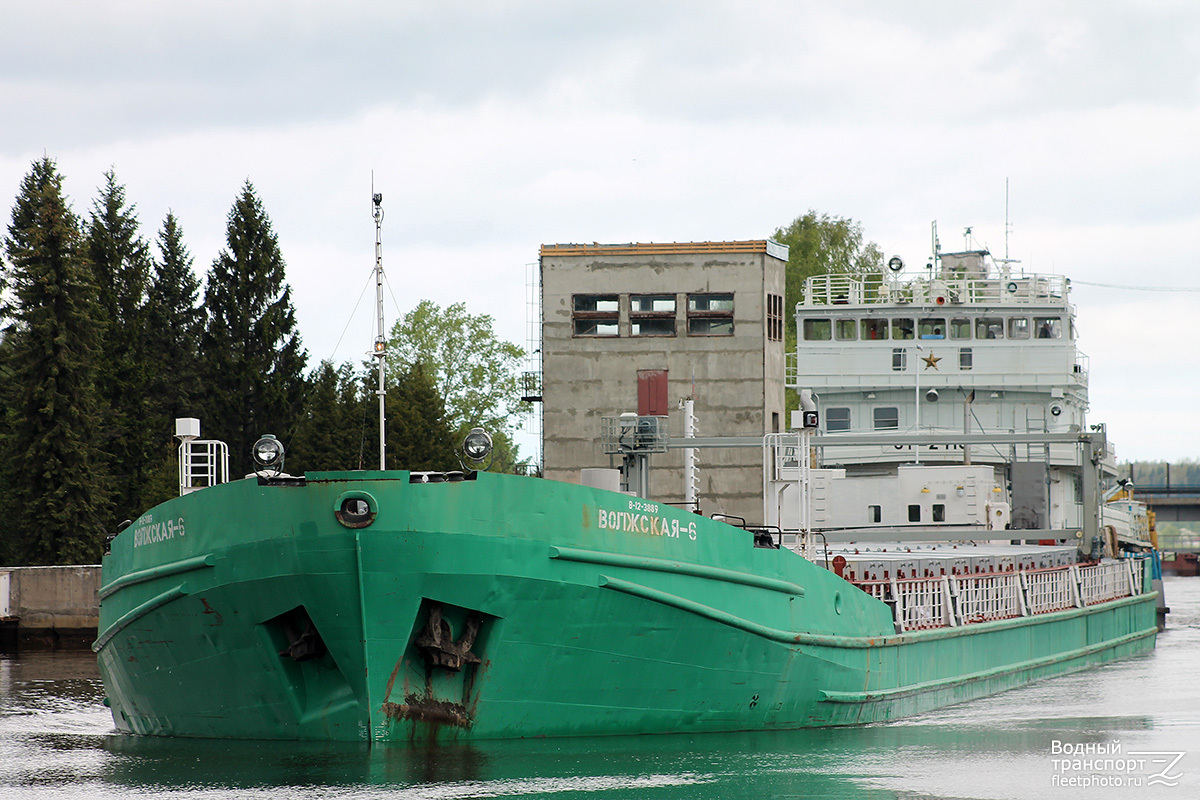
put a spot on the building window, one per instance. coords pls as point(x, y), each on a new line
point(1018, 327)
point(899, 359)
point(1048, 327)
point(775, 317)
point(596, 314)
point(874, 329)
point(652, 314)
point(902, 329)
point(887, 418)
point(817, 330)
point(989, 328)
point(837, 419)
point(932, 328)
point(965, 359)
point(710, 314)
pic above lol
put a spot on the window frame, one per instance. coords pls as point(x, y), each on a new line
point(1053, 324)
point(774, 317)
point(985, 326)
point(935, 325)
point(812, 324)
point(873, 325)
point(653, 316)
point(898, 325)
point(843, 424)
point(594, 316)
point(709, 316)
point(1017, 328)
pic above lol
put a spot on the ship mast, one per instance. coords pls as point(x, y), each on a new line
point(380, 341)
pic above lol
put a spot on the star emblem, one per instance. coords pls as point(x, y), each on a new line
point(931, 361)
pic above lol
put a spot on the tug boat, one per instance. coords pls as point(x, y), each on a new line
point(887, 577)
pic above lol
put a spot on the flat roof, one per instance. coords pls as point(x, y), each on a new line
point(665, 248)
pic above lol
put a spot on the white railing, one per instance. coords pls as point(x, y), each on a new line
point(1103, 582)
point(948, 600)
point(202, 463)
point(873, 289)
point(983, 598)
point(1050, 590)
point(922, 603)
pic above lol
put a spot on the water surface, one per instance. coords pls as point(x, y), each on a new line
point(57, 741)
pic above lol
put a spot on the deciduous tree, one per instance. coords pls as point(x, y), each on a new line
point(819, 244)
point(475, 372)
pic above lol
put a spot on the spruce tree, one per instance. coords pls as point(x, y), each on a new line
point(419, 436)
point(336, 428)
point(120, 261)
point(253, 362)
point(7, 400)
point(58, 506)
point(173, 325)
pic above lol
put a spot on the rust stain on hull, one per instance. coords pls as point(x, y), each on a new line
point(439, 712)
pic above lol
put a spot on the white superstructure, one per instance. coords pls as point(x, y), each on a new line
point(967, 347)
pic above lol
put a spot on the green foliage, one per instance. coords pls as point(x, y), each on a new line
point(57, 505)
point(174, 324)
point(253, 362)
point(474, 371)
point(1160, 473)
point(171, 345)
point(336, 428)
point(419, 436)
point(819, 244)
point(339, 427)
point(120, 262)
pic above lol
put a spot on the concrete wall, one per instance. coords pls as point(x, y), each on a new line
point(51, 600)
point(736, 381)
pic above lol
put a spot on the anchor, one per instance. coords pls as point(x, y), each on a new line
point(437, 641)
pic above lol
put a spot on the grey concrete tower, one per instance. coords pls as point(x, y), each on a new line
point(640, 327)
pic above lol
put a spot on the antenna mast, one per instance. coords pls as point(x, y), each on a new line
point(380, 341)
point(1007, 223)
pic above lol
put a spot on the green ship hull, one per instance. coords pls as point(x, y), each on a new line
point(506, 607)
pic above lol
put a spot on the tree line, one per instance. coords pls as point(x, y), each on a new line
point(106, 338)
point(1161, 473)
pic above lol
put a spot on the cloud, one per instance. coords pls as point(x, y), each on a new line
point(492, 128)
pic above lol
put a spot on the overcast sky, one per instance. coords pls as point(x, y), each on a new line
point(494, 127)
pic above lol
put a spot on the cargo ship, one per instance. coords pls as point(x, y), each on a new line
point(399, 606)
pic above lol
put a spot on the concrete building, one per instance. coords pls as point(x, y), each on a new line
point(640, 327)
